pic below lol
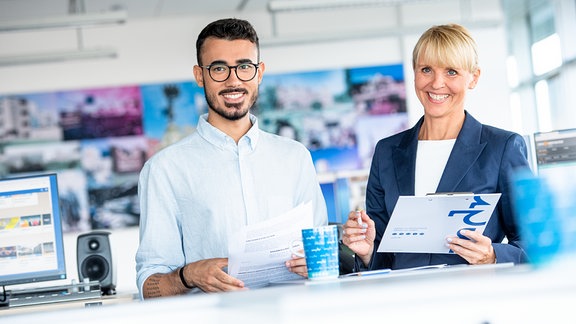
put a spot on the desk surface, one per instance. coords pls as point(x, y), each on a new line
point(478, 294)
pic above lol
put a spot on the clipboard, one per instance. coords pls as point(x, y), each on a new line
point(420, 224)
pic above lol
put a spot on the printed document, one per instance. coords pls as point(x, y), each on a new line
point(257, 254)
point(421, 224)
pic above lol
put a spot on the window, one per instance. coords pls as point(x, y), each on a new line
point(541, 63)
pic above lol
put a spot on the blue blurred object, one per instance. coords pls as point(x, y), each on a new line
point(546, 211)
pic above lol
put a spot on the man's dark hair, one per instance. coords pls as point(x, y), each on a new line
point(228, 29)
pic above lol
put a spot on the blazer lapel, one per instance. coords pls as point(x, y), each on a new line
point(466, 151)
point(404, 159)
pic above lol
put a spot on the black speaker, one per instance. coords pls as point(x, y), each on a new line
point(94, 260)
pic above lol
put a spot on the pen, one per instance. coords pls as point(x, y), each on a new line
point(373, 272)
point(359, 216)
point(368, 273)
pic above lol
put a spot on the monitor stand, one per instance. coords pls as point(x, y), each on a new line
point(4, 297)
point(54, 294)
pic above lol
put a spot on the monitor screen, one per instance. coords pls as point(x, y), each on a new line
point(31, 242)
point(329, 192)
point(343, 192)
point(556, 153)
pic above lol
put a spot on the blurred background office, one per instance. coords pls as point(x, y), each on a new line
point(91, 88)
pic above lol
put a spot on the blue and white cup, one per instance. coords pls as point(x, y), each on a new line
point(321, 252)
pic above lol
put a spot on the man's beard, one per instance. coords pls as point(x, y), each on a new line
point(234, 114)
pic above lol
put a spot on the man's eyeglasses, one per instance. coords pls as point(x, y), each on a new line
point(221, 72)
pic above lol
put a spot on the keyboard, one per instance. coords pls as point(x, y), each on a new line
point(36, 296)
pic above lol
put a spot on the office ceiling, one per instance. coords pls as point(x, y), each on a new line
point(135, 9)
point(25, 15)
point(149, 9)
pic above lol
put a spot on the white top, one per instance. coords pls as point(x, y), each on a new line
point(196, 192)
point(431, 159)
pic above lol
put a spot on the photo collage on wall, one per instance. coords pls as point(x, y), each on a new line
point(97, 140)
point(338, 114)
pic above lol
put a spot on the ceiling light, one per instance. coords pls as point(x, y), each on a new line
point(298, 5)
point(69, 21)
point(53, 57)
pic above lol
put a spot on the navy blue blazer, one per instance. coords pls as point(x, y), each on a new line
point(481, 161)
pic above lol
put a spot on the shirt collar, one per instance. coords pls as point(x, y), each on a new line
point(218, 138)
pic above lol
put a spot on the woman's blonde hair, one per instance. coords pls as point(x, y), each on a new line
point(447, 45)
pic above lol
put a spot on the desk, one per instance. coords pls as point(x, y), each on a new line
point(478, 294)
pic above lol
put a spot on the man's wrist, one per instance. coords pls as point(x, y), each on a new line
point(182, 279)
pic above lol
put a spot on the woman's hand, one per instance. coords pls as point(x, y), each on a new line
point(359, 235)
point(477, 249)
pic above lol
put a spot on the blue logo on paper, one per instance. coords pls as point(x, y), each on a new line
point(469, 213)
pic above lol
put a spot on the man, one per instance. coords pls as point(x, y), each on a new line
point(228, 174)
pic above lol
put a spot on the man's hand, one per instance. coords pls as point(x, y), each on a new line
point(297, 265)
point(209, 276)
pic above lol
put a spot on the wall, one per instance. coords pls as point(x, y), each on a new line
point(163, 50)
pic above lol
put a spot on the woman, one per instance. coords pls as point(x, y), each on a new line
point(446, 151)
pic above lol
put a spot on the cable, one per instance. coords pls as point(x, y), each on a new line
point(5, 301)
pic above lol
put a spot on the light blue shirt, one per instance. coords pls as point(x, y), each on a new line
point(196, 192)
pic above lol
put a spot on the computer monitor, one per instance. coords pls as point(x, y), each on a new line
point(31, 241)
point(343, 192)
point(556, 153)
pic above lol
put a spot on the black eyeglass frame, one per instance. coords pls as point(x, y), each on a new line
point(230, 67)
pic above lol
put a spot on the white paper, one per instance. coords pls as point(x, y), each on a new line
point(420, 224)
point(257, 253)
